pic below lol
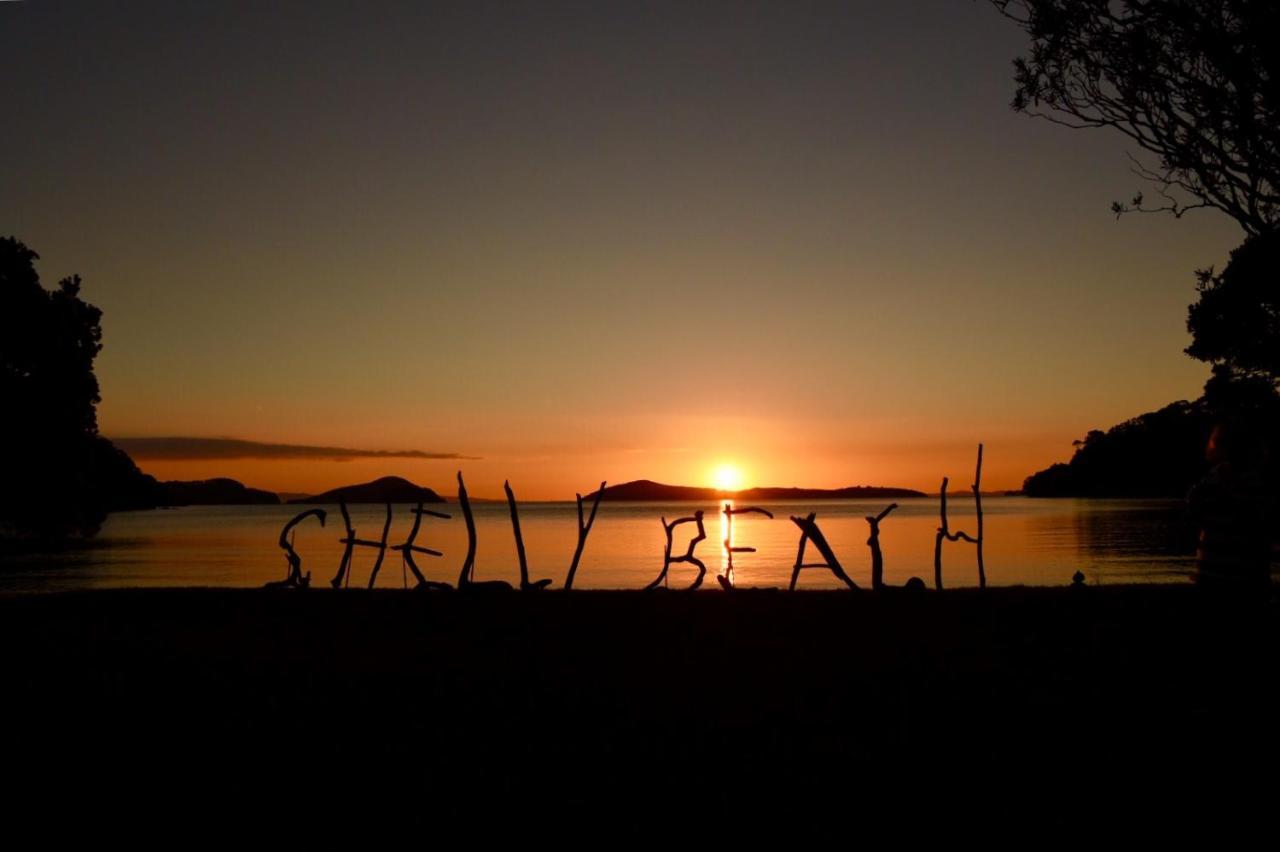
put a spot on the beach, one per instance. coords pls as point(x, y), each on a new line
point(1041, 706)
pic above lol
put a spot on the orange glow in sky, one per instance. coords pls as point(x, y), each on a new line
point(765, 248)
point(727, 477)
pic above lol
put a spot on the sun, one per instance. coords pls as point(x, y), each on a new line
point(727, 477)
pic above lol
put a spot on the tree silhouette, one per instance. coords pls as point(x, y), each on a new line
point(1192, 82)
point(60, 478)
point(1157, 454)
point(1235, 324)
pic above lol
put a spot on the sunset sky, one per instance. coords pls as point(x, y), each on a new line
point(560, 243)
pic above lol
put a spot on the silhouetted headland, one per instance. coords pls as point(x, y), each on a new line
point(648, 490)
point(215, 492)
point(388, 489)
point(1157, 454)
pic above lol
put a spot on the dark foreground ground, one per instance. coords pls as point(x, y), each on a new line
point(1033, 710)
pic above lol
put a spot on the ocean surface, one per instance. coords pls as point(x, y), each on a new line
point(1027, 542)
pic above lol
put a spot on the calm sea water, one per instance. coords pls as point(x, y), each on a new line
point(1028, 541)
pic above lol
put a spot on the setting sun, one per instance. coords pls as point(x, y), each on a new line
point(726, 477)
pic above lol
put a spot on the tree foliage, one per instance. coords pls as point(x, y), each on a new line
point(61, 477)
point(1161, 453)
point(1193, 83)
point(1235, 324)
point(1157, 454)
point(48, 341)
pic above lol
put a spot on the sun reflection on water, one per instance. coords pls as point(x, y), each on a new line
point(726, 535)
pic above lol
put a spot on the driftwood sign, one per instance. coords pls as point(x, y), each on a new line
point(810, 534)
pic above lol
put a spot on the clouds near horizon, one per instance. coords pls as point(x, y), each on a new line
point(206, 449)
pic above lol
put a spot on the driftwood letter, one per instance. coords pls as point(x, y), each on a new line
point(344, 568)
point(295, 578)
point(468, 563)
point(877, 558)
point(340, 577)
point(409, 548)
point(584, 530)
point(944, 531)
point(809, 532)
point(668, 560)
point(466, 579)
point(525, 585)
point(726, 579)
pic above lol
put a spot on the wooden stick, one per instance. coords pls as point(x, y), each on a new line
point(804, 540)
point(295, 579)
point(809, 530)
point(726, 579)
point(877, 558)
point(583, 532)
point(937, 540)
point(661, 579)
point(341, 577)
point(977, 503)
point(409, 548)
point(469, 563)
point(361, 542)
point(515, 524)
point(944, 531)
point(525, 585)
point(668, 560)
point(382, 548)
point(418, 549)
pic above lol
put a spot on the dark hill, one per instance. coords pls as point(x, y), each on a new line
point(123, 487)
point(388, 489)
point(852, 492)
point(1162, 453)
point(645, 489)
point(128, 488)
point(214, 492)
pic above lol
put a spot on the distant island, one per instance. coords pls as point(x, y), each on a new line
point(214, 492)
point(648, 490)
point(388, 489)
